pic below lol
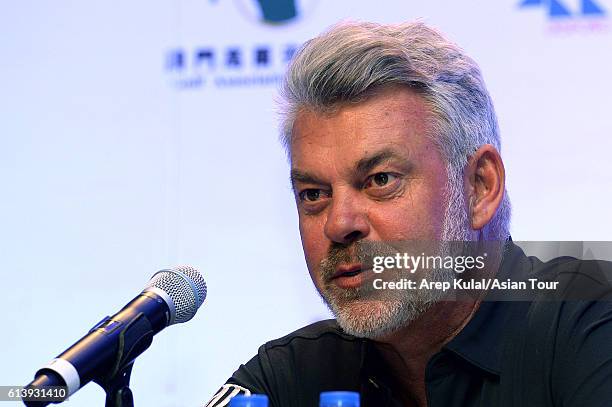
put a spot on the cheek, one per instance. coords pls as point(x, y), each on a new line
point(399, 223)
point(314, 244)
point(436, 208)
point(416, 216)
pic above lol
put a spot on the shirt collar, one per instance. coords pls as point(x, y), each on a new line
point(480, 342)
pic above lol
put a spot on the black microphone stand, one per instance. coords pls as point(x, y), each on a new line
point(118, 393)
point(133, 340)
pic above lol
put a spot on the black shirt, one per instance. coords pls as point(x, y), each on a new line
point(510, 354)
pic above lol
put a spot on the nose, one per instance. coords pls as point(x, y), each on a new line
point(347, 219)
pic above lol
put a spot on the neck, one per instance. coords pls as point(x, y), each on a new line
point(408, 350)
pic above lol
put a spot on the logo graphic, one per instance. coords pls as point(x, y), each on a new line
point(271, 11)
point(243, 64)
point(262, 65)
point(274, 12)
point(560, 9)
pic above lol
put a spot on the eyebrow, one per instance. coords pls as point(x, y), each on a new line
point(367, 163)
point(304, 177)
point(363, 166)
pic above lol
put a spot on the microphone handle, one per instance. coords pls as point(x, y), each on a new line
point(109, 346)
point(49, 378)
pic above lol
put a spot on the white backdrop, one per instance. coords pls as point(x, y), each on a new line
point(116, 160)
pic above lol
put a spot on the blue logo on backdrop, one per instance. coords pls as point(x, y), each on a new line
point(571, 16)
point(559, 9)
point(228, 66)
point(277, 11)
point(274, 12)
point(239, 65)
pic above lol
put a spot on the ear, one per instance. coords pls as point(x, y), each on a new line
point(485, 179)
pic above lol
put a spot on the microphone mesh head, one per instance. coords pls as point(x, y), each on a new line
point(185, 286)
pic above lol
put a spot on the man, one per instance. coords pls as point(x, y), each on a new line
point(392, 137)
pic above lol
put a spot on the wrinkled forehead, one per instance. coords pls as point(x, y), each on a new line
point(395, 120)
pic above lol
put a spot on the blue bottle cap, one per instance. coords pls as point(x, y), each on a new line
point(339, 399)
point(254, 400)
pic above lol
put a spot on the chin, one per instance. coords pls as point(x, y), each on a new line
point(373, 319)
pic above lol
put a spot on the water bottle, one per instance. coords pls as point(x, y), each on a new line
point(254, 400)
point(339, 399)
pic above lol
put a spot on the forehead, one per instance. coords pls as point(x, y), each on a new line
point(396, 119)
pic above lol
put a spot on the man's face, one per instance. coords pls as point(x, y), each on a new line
point(366, 173)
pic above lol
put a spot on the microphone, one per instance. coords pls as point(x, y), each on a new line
point(172, 296)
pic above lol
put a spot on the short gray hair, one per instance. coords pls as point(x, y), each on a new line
point(353, 60)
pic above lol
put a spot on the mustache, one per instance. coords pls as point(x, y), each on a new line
point(361, 251)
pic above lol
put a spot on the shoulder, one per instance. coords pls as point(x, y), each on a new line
point(307, 346)
point(580, 302)
point(567, 340)
point(298, 365)
point(322, 331)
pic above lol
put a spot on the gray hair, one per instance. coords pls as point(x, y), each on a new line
point(353, 60)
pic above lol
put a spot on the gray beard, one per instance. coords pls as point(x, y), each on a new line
point(377, 313)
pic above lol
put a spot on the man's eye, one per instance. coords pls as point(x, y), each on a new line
point(310, 195)
point(380, 180)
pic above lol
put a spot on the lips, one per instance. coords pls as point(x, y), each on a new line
point(347, 270)
point(348, 276)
